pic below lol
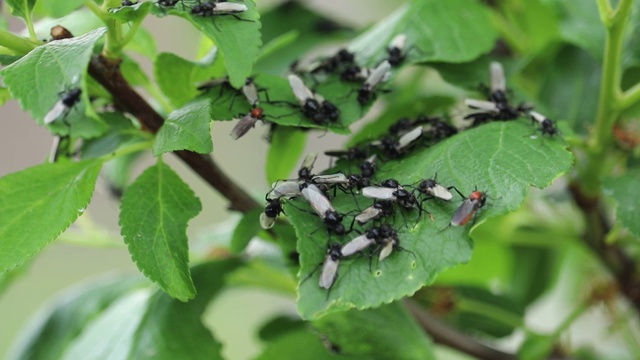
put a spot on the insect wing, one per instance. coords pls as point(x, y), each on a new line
point(284, 189)
point(380, 193)
point(229, 8)
point(266, 222)
point(398, 41)
point(386, 250)
point(378, 74)
point(357, 244)
point(329, 272)
point(498, 81)
point(309, 161)
point(368, 214)
point(441, 192)
point(464, 212)
point(406, 139)
point(243, 126)
point(317, 200)
point(56, 111)
point(482, 105)
point(300, 90)
point(338, 178)
point(251, 93)
point(537, 116)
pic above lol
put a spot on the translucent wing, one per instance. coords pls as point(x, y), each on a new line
point(357, 244)
point(398, 41)
point(251, 93)
point(441, 192)
point(287, 189)
point(406, 139)
point(243, 126)
point(229, 8)
point(301, 92)
point(537, 116)
point(329, 272)
point(338, 178)
point(266, 222)
point(482, 105)
point(498, 81)
point(56, 111)
point(317, 200)
point(380, 193)
point(378, 74)
point(309, 161)
point(367, 214)
point(387, 249)
point(464, 212)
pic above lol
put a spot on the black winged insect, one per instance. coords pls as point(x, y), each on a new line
point(378, 75)
point(68, 99)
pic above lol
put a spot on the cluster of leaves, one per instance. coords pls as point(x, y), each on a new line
point(499, 158)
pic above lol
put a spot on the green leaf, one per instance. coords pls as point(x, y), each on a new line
point(238, 41)
point(287, 144)
point(44, 199)
point(57, 9)
point(623, 191)
point(388, 332)
point(133, 13)
point(172, 329)
point(536, 347)
point(498, 158)
point(178, 77)
point(480, 310)
point(121, 131)
point(5, 96)
point(580, 25)
point(264, 275)
point(49, 333)
point(247, 228)
point(154, 214)
point(21, 8)
point(110, 334)
point(133, 73)
point(188, 128)
point(143, 43)
point(295, 30)
point(408, 107)
point(229, 103)
point(280, 325)
point(534, 24)
point(293, 344)
point(567, 84)
point(449, 31)
point(39, 77)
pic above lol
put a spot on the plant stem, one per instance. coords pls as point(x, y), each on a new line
point(16, 43)
point(32, 31)
point(611, 97)
point(448, 336)
point(97, 10)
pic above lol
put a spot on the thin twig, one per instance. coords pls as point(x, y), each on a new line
point(622, 267)
point(443, 334)
point(108, 74)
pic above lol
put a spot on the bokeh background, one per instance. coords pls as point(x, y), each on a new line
point(63, 264)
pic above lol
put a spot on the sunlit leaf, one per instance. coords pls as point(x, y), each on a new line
point(499, 159)
point(39, 203)
point(623, 190)
point(188, 128)
point(154, 214)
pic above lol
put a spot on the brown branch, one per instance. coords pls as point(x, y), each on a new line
point(442, 333)
point(621, 266)
point(107, 73)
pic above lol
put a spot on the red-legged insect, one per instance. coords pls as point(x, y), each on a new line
point(469, 208)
